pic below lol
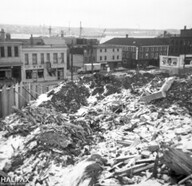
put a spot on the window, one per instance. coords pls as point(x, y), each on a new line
point(105, 57)
point(117, 50)
point(113, 57)
point(34, 59)
point(48, 57)
point(156, 48)
point(9, 53)
point(113, 50)
point(26, 59)
point(2, 52)
point(28, 74)
point(42, 58)
point(62, 57)
point(152, 55)
point(105, 50)
point(100, 50)
point(152, 48)
point(146, 49)
point(16, 50)
point(117, 56)
point(55, 58)
point(156, 55)
point(100, 58)
point(40, 73)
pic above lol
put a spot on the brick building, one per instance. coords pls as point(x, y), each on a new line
point(142, 51)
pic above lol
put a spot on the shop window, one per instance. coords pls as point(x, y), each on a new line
point(26, 59)
point(28, 74)
point(16, 50)
point(42, 58)
point(40, 73)
point(9, 52)
point(55, 58)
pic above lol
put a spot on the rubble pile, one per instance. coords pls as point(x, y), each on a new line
point(180, 94)
point(115, 140)
point(38, 137)
point(69, 98)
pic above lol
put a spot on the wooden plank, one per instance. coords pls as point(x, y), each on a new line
point(1, 108)
point(10, 99)
point(4, 101)
point(17, 95)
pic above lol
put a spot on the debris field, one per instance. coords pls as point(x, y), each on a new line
point(105, 130)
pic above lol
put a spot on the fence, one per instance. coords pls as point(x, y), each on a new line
point(19, 95)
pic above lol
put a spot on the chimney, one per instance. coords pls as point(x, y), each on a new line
point(185, 27)
point(31, 39)
point(127, 35)
point(8, 36)
point(2, 35)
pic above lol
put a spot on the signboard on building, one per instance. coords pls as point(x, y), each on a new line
point(169, 61)
point(188, 61)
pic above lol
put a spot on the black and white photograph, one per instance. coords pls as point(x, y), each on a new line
point(96, 93)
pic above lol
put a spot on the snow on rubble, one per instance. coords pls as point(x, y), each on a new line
point(104, 130)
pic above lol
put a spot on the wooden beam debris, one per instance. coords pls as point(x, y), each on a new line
point(161, 93)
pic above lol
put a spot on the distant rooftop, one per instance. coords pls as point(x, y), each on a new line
point(137, 41)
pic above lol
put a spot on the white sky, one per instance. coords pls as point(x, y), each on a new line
point(144, 14)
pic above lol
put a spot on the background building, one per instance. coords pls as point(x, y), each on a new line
point(10, 58)
point(44, 60)
point(142, 51)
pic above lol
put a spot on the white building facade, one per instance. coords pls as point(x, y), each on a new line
point(44, 63)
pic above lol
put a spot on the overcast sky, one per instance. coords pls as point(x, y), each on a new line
point(143, 14)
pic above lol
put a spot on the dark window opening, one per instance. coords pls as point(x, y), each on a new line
point(40, 73)
point(16, 49)
point(28, 74)
point(34, 59)
point(2, 74)
point(9, 53)
point(48, 57)
point(42, 59)
point(26, 59)
point(2, 52)
point(62, 57)
point(55, 58)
